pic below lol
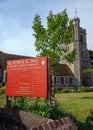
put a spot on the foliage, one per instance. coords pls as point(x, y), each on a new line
point(89, 89)
point(1, 52)
point(33, 106)
point(68, 90)
point(49, 40)
point(42, 109)
point(72, 90)
point(85, 89)
point(2, 90)
point(88, 71)
point(90, 54)
point(81, 89)
point(70, 56)
point(58, 90)
point(89, 121)
point(2, 100)
point(58, 113)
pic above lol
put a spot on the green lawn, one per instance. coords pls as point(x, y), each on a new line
point(79, 104)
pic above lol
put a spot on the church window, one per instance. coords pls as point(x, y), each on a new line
point(59, 80)
point(81, 38)
point(71, 80)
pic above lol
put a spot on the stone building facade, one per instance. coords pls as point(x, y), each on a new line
point(82, 60)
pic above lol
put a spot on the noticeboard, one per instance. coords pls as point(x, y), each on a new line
point(27, 77)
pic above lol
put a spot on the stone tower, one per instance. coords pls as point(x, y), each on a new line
point(82, 57)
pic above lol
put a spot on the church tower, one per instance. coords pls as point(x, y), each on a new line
point(82, 57)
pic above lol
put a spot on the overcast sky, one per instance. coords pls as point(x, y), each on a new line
point(16, 19)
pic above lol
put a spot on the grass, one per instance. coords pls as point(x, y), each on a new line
point(79, 104)
point(2, 100)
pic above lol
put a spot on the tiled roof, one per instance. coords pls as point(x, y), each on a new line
point(63, 69)
point(4, 57)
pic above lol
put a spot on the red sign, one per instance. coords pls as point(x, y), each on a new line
point(27, 77)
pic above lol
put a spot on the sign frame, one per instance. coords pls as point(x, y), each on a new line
point(35, 64)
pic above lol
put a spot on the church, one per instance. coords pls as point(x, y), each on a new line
point(72, 75)
point(68, 75)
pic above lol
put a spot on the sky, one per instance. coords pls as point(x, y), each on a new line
point(16, 20)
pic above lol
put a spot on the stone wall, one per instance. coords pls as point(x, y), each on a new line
point(87, 80)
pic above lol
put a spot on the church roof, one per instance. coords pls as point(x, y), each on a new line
point(64, 70)
point(4, 57)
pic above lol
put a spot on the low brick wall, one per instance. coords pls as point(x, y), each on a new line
point(15, 119)
point(61, 124)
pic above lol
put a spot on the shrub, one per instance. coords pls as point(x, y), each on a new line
point(58, 90)
point(2, 90)
point(89, 89)
point(36, 106)
point(81, 89)
point(71, 90)
point(68, 90)
point(89, 121)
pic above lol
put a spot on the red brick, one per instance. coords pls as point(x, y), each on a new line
point(70, 127)
point(40, 127)
point(35, 128)
point(61, 122)
point(52, 126)
point(46, 126)
point(70, 121)
point(56, 123)
point(65, 121)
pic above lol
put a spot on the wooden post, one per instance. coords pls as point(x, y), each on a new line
point(8, 102)
point(49, 85)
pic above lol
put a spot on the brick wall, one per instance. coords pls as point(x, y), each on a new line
point(61, 124)
point(15, 119)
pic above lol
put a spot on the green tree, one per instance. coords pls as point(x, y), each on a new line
point(49, 40)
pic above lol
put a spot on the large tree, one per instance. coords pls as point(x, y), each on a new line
point(49, 40)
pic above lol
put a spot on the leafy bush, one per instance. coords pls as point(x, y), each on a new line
point(58, 90)
point(35, 106)
point(68, 90)
point(2, 90)
point(81, 89)
point(89, 121)
point(89, 89)
point(88, 71)
point(71, 90)
point(65, 90)
point(85, 89)
point(41, 108)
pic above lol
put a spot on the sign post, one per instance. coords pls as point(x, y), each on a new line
point(27, 77)
point(49, 85)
